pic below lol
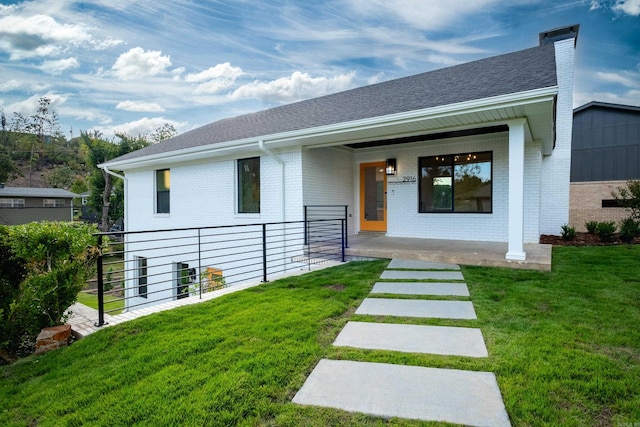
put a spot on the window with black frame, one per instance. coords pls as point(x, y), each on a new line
point(163, 189)
point(249, 185)
point(456, 183)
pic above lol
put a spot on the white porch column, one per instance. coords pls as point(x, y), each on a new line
point(515, 249)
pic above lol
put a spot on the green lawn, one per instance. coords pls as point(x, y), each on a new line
point(564, 345)
point(112, 305)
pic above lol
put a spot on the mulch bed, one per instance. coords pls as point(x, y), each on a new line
point(583, 239)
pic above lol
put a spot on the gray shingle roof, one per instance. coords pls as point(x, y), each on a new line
point(36, 192)
point(519, 71)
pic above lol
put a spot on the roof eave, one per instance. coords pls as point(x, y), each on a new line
point(333, 132)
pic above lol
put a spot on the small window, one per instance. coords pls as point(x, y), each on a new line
point(11, 203)
point(53, 203)
point(141, 268)
point(163, 186)
point(456, 183)
point(249, 185)
point(611, 203)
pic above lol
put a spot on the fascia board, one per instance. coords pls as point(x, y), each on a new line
point(297, 137)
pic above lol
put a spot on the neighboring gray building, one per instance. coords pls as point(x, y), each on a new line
point(605, 154)
point(22, 205)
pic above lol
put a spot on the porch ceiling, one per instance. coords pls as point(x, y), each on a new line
point(539, 117)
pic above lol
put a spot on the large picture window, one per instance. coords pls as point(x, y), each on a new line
point(163, 187)
point(249, 185)
point(456, 183)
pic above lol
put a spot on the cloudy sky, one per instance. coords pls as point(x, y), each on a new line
point(130, 66)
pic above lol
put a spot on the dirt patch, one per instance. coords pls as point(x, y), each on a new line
point(583, 239)
point(338, 287)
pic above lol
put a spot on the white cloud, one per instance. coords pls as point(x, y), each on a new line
point(625, 78)
point(215, 79)
point(377, 78)
point(141, 127)
point(138, 63)
point(30, 105)
point(421, 14)
point(10, 85)
point(630, 7)
point(58, 66)
point(26, 34)
point(296, 87)
point(140, 106)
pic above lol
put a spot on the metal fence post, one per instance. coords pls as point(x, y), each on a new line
point(342, 223)
point(199, 264)
point(264, 253)
point(346, 226)
point(306, 226)
point(100, 285)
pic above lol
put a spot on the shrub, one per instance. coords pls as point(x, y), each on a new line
point(629, 198)
point(606, 230)
point(591, 226)
point(629, 228)
point(43, 267)
point(568, 233)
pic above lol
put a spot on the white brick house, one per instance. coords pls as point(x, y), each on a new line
point(482, 152)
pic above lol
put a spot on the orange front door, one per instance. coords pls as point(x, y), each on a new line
point(373, 197)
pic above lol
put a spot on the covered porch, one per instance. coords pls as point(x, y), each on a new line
point(489, 254)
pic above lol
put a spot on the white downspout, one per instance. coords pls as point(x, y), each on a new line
point(126, 224)
point(271, 154)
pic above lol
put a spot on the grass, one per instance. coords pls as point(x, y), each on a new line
point(113, 305)
point(565, 347)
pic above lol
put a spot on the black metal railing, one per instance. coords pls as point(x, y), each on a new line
point(317, 212)
point(142, 268)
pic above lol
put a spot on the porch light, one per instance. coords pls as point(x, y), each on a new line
point(391, 166)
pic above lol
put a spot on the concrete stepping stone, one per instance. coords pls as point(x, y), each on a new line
point(445, 340)
point(421, 265)
point(412, 392)
point(421, 288)
point(417, 308)
point(421, 275)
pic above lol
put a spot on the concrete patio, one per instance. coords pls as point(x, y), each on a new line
point(490, 254)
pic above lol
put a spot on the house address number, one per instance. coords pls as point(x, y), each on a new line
point(404, 180)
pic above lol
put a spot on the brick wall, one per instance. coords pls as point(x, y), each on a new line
point(586, 203)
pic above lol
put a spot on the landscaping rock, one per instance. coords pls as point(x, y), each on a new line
point(52, 338)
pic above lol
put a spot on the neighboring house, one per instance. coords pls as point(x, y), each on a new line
point(605, 154)
point(479, 151)
point(21, 205)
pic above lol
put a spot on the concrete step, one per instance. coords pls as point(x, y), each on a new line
point(412, 392)
point(421, 275)
point(417, 308)
point(421, 265)
point(445, 340)
point(421, 288)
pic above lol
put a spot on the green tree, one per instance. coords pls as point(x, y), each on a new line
point(61, 177)
point(43, 266)
point(35, 130)
point(107, 194)
point(165, 131)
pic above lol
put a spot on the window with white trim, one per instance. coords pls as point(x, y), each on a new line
point(53, 203)
point(11, 203)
